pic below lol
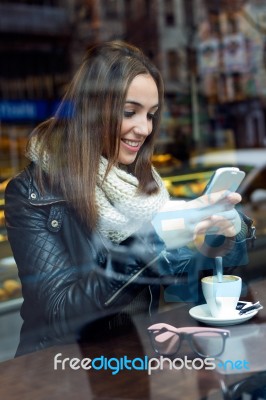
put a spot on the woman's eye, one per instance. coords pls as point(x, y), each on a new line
point(151, 116)
point(129, 114)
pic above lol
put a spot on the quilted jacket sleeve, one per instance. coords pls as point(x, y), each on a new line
point(56, 288)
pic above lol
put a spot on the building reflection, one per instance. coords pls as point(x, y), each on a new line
point(211, 55)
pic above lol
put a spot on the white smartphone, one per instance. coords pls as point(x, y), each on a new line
point(227, 178)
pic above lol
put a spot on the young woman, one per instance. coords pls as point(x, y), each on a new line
point(80, 217)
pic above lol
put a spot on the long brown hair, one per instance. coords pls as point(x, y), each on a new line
point(88, 125)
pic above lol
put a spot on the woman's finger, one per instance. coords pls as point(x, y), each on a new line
point(223, 196)
point(227, 224)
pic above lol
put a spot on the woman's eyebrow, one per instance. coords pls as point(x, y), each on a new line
point(139, 104)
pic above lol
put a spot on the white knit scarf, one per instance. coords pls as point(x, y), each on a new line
point(121, 209)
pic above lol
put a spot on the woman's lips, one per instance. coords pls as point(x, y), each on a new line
point(131, 145)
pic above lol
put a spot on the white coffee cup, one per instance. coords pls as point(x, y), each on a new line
point(222, 297)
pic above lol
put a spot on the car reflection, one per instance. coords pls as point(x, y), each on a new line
point(189, 183)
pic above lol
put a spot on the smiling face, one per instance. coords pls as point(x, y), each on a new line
point(139, 111)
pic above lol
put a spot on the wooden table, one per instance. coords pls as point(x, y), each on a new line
point(33, 376)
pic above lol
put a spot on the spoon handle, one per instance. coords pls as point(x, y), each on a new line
point(219, 268)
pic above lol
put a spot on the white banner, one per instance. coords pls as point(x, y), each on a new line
point(235, 57)
point(208, 56)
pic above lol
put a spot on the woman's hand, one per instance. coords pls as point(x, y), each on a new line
point(179, 223)
point(221, 216)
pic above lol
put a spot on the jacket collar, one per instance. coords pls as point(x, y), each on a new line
point(35, 196)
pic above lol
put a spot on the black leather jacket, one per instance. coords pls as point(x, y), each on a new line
point(71, 279)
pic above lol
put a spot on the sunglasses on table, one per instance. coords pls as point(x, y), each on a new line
point(206, 342)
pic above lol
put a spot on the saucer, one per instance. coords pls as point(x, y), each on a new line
point(201, 313)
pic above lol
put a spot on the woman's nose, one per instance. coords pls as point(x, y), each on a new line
point(142, 127)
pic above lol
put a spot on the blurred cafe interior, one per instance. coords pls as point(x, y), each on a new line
point(212, 56)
